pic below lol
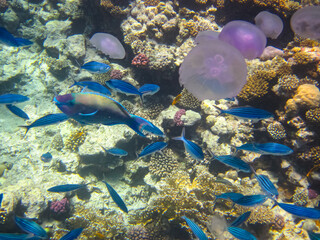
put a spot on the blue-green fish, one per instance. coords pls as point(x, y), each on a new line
point(271, 148)
point(66, 187)
point(17, 111)
point(18, 236)
point(251, 200)
point(244, 217)
point(96, 67)
point(30, 227)
point(241, 234)
point(116, 151)
point(267, 186)
point(47, 120)
point(234, 162)
point(313, 235)
point(230, 195)
point(303, 212)
point(12, 98)
point(123, 87)
point(94, 86)
point(116, 198)
point(46, 157)
point(195, 229)
point(96, 108)
point(193, 149)
point(8, 39)
point(73, 234)
point(152, 148)
point(248, 112)
point(148, 89)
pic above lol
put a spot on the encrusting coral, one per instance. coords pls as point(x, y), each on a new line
point(313, 115)
point(188, 101)
point(75, 139)
point(300, 197)
point(276, 130)
point(163, 164)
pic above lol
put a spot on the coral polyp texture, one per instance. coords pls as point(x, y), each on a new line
point(141, 60)
point(276, 130)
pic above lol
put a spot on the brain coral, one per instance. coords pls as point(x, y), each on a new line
point(163, 164)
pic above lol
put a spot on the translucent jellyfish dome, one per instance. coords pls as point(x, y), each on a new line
point(306, 22)
point(109, 45)
point(213, 70)
point(270, 24)
point(245, 37)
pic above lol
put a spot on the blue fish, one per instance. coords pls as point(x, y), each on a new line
point(47, 120)
point(195, 229)
point(123, 87)
point(267, 186)
point(116, 151)
point(116, 198)
point(266, 148)
point(250, 147)
point(302, 212)
point(1, 198)
point(234, 162)
point(96, 108)
point(244, 217)
point(152, 148)
point(251, 200)
point(66, 187)
point(313, 235)
point(193, 149)
point(96, 67)
point(94, 86)
point(73, 234)
point(12, 98)
point(230, 195)
point(241, 234)
point(18, 236)
point(250, 113)
point(148, 89)
point(30, 227)
point(46, 157)
point(17, 111)
point(8, 39)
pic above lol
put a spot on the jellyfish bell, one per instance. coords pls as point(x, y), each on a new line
point(270, 24)
point(214, 70)
point(108, 44)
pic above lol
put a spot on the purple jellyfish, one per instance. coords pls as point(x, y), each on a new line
point(306, 22)
point(245, 37)
point(109, 45)
point(206, 36)
point(270, 24)
point(213, 71)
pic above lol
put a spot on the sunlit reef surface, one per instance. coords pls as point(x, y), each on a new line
point(161, 188)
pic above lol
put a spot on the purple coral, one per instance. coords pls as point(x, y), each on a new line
point(177, 117)
point(60, 207)
point(245, 37)
point(312, 193)
point(116, 74)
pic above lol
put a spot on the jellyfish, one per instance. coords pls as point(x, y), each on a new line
point(306, 22)
point(213, 71)
point(245, 37)
point(270, 24)
point(109, 45)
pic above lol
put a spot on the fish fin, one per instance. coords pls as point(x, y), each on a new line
point(88, 114)
point(27, 129)
point(182, 137)
point(275, 204)
point(78, 63)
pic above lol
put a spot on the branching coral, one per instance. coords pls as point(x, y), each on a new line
point(75, 139)
point(260, 214)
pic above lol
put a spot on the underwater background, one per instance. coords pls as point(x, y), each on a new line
point(160, 189)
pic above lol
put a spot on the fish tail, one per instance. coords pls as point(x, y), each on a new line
point(27, 129)
point(182, 137)
point(252, 169)
point(275, 204)
point(141, 95)
point(221, 110)
point(74, 83)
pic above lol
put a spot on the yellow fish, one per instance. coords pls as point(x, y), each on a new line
point(176, 99)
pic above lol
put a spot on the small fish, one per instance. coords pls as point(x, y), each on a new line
point(230, 195)
point(176, 99)
point(96, 67)
point(152, 148)
point(266, 185)
point(18, 236)
point(234, 162)
point(241, 234)
point(313, 235)
point(17, 111)
point(223, 181)
point(66, 187)
point(46, 157)
point(244, 217)
point(30, 227)
point(251, 200)
point(8, 39)
point(116, 198)
point(73, 234)
point(148, 89)
point(94, 86)
point(271, 148)
point(193, 149)
point(12, 98)
point(1, 198)
point(116, 151)
point(195, 229)
point(47, 120)
point(303, 212)
point(123, 87)
point(250, 113)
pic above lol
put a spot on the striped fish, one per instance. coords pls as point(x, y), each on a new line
point(234, 162)
point(244, 217)
point(66, 187)
point(73, 234)
point(303, 212)
point(241, 234)
point(195, 229)
point(17, 111)
point(313, 235)
point(30, 227)
point(272, 148)
point(251, 200)
point(12, 98)
point(152, 148)
point(116, 198)
point(230, 195)
point(18, 236)
point(267, 186)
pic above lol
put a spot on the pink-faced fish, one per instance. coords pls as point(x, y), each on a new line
point(31, 227)
point(96, 108)
point(96, 67)
point(241, 234)
point(193, 149)
point(197, 231)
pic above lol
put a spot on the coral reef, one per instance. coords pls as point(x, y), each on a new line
point(59, 208)
point(75, 139)
point(164, 164)
point(153, 109)
point(188, 101)
point(177, 117)
point(313, 115)
point(138, 232)
point(276, 130)
point(300, 197)
point(116, 74)
point(254, 88)
point(3, 5)
point(140, 60)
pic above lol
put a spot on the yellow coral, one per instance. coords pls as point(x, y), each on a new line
point(192, 28)
point(313, 115)
point(75, 139)
point(253, 89)
point(148, 3)
point(201, 1)
point(303, 58)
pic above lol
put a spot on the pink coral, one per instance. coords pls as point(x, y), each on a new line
point(312, 193)
point(60, 208)
point(116, 74)
point(177, 117)
point(141, 60)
